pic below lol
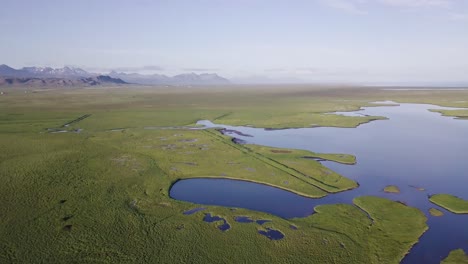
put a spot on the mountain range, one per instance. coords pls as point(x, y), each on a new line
point(181, 79)
point(71, 76)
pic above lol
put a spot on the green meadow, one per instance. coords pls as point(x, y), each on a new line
point(98, 190)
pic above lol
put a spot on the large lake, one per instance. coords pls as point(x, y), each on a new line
point(413, 148)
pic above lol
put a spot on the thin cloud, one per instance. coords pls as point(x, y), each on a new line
point(276, 70)
point(351, 7)
point(417, 3)
point(358, 7)
point(458, 17)
point(308, 69)
point(129, 69)
point(200, 69)
point(141, 68)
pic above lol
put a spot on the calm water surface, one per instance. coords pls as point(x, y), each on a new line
point(414, 147)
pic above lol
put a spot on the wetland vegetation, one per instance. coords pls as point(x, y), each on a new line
point(103, 193)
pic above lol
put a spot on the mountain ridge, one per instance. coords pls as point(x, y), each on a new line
point(74, 75)
point(180, 79)
point(60, 82)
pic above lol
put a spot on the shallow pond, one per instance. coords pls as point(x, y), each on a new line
point(414, 148)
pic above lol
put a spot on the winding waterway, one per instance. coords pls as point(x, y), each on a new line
point(413, 148)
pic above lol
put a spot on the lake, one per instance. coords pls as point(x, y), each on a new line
point(413, 148)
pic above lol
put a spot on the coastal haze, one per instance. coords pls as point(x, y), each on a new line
point(321, 131)
point(372, 42)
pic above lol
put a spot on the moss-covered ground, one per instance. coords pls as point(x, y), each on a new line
point(99, 193)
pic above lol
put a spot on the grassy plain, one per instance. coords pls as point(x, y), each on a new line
point(101, 195)
point(452, 203)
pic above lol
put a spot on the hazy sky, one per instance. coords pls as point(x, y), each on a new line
point(308, 40)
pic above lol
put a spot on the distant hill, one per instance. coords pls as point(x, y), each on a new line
point(181, 79)
point(44, 72)
point(68, 76)
point(60, 82)
point(152, 79)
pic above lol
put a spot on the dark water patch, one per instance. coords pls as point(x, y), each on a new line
point(243, 219)
point(210, 219)
point(224, 227)
point(62, 201)
point(239, 141)
point(272, 234)
point(66, 218)
point(314, 158)
point(262, 221)
point(194, 210)
point(293, 227)
point(76, 120)
point(225, 131)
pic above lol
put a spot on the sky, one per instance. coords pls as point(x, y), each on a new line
point(355, 41)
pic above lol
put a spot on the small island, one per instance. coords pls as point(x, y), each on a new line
point(392, 189)
point(435, 212)
point(456, 257)
point(451, 203)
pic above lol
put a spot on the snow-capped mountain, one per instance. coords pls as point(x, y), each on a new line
point(58, 72)
point(72, 73)
point(181, 79)
point(44, 72)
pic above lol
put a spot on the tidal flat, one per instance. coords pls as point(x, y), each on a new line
point(108, 191)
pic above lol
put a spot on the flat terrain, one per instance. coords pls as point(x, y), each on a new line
point(86, 174)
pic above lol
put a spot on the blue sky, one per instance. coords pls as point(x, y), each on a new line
point(368, 41)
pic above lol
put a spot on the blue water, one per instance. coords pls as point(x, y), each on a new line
point(414, 147)
point(195, 210)
point(243, 219)
point(272, 234)
point(210, 219)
